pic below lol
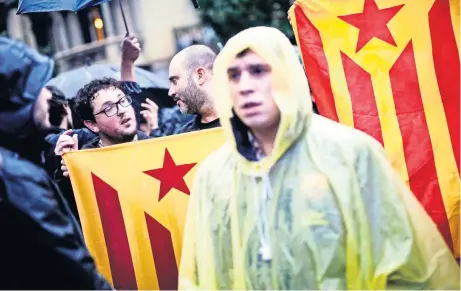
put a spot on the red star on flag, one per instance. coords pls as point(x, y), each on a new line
point(372, 22)
point(170, 175)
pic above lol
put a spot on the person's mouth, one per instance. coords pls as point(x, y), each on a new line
point(125, 120)
point(250, 108)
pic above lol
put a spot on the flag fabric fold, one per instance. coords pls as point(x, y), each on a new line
point(132, 201)
point(392, 70)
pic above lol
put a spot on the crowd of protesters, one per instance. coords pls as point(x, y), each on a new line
point(41, 238)
point(279, 142)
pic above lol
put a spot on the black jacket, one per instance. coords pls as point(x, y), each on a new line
point(197, 124)
point(94, 143)
point(41, 246)
point(53, 164)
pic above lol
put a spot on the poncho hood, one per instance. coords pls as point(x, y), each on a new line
point(23, 74)
point(291, 94)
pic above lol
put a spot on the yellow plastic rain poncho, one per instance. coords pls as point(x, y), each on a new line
point(327, 206)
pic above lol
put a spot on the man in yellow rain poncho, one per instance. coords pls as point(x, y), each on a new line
point(296, 201)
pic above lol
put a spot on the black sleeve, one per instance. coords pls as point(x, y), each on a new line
point(84, 136)
point(43, 213)
point(165, 129)
point(131, 87)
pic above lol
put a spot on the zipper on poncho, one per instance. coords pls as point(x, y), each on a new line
point(265, 249)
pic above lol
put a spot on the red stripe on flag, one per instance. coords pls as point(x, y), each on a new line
point(315, 65)
point(416, 139)
point(113, 224)
point(163, 252)
point(447, 67)
point(364, 109)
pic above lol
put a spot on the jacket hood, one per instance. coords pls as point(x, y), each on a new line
point(23, 74)
point(291, 91)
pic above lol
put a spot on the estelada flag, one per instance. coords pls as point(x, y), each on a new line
point(132, 200)
point(391, 68)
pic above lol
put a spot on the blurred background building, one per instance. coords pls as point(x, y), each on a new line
point(94, 35)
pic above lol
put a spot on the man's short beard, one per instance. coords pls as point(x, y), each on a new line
point(195, 98)
point(120, 139)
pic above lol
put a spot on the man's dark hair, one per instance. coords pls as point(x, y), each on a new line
point(83, 101)
point(57, 105)
point(243, 53)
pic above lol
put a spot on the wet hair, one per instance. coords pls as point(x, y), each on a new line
point(57, 105)
point(243, 53)
point(85, 96)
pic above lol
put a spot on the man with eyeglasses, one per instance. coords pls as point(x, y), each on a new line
point(106, 110)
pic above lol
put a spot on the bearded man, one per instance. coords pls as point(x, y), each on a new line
point(190, 75)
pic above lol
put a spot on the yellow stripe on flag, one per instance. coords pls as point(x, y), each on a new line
point(455, 18)
point(132, 200)
point(339, 87)
point(438, 128)
point(392, 137)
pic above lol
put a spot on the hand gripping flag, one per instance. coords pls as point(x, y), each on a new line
point(392, 69)
point(132, 200)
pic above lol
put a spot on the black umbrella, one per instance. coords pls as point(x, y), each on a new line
point(28, 6)
point(71, 81)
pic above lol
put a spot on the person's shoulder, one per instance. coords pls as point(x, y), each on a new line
point(187, 127)
point(92, 144)
point(84, 135)
point(21, 172)
point(218, 163)
point(335, 137)
point(174, 113)
point(214, 174)
point(143, 136)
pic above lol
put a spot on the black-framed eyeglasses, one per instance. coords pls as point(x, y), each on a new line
point(112, 109)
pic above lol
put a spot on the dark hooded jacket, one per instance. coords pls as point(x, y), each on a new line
point(41, 246)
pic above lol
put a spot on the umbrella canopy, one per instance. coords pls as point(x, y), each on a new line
point(26, 6)
point(71, 81)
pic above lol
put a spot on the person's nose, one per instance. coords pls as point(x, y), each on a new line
point(121, 109)
point(245, 84)
point(172, 92)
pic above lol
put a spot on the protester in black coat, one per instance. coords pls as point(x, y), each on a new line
point(41, 246)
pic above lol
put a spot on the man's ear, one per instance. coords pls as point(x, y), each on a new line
point(91, 126)
point(201, 76)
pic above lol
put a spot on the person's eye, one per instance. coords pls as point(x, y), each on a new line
point(123, 101)
point(109, 108)
point(258, 70)
point(233, 76)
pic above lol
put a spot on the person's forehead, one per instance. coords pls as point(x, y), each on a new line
point(176, 64)
point(46, 92)
point(249, 58)
point(106, 95)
